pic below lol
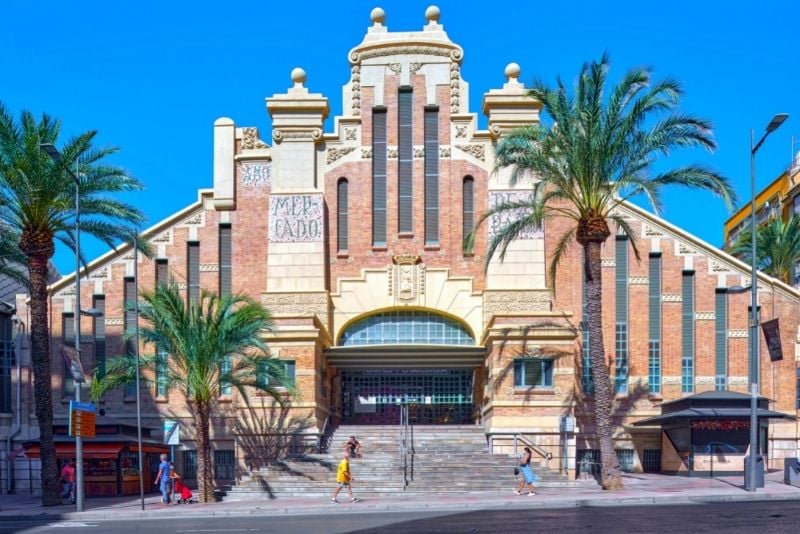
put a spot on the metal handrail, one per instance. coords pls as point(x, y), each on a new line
point(404, 443)
point(547, 455)
point(321, 439)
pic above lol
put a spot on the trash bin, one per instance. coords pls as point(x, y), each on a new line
point(759, 471)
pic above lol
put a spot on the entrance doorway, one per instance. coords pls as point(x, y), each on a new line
point(433, 396)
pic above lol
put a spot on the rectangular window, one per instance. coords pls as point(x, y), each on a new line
point(431, 175)
point(651, 463)
point(405, 162)
point(189, 464)
point(162, 362)
point(225, 368)
point(654, 328)
point(587, 377)
point(621, 307)
point(721, 339)
point(626, 459)
point(223, 465)
point(193, 272)
point(99, 335)
point(533, 373)
point(587, 462)
point(68, 340)
point(468, 210)
point(342, 216)
point(129, 296)
point(263, 373)
point(687, 332)
point(162, 271)
point(379, 177)
point(225, 259)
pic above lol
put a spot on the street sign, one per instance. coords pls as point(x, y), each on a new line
point(172, 433)
point(73, 360)
point(567, 423)
point(82, 419)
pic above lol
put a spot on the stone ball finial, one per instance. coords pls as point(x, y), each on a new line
point(433, 13)
point(298, 76)
point(512, 71)
point(378, 16)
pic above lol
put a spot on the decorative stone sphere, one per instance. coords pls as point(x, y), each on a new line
point(433, 13)
point(378, 15)
point(298, 75)
point(512, 70)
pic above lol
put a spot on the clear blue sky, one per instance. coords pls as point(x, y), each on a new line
point(152, 76)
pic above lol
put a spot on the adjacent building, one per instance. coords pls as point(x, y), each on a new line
point(355, 239)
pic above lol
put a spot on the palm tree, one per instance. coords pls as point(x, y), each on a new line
point(597, 153)
point(12, 260)
point(200, 340)
point(37, 203)
point(777, 247)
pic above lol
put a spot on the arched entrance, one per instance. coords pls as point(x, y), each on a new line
point(419, 358)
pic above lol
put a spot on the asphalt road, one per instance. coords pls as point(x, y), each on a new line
point(728, 518)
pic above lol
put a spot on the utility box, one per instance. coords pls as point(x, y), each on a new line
point(759, 471)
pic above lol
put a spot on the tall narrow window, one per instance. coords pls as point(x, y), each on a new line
point(654, 311)
point(341, 216)
point(99, 335)
point(431, 175)
point(224, 370)
point(129, 296)
point(405, 162)
point(687, 332)
point(379, 177)
point(193, 272)
point(162, 271)
point(225, 259)
point(721, 339)
point(467, 210)
point(587, 378)
point(68, 340)
point(621, 334)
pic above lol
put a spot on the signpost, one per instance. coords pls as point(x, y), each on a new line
point(172, 436)
point(82, 417)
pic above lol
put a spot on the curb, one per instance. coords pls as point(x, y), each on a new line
point(420, 507)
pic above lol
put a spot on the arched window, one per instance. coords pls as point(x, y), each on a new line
point(341, 215)
point(468, 210)
point(406, 328)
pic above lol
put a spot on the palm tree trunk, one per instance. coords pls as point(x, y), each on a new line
point(610, 477)
point(42, 380)
point(205, 472)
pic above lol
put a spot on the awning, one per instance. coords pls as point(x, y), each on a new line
point(406, 356)
point(103, 451)
point(710, 413)
point(146, 447)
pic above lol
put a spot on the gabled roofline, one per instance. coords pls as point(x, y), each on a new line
point(709, 249)
point(64, 281)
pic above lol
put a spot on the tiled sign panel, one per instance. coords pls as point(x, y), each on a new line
point(295, 218)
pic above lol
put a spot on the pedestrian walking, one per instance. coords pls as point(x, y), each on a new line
point(352, 447)
point(68, 481)
point(343, 479)
point(528, 476)
point(162, 479)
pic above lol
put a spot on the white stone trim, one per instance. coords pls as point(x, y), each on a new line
point(671, 297)
point(736, 334)
point(705, 316)
point(608, 262)
point(638, 281)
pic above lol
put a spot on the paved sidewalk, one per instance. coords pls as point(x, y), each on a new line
point(640, 489)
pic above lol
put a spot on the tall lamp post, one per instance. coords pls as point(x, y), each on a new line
point(138, 370)
point(55, 155)
point(750, 482)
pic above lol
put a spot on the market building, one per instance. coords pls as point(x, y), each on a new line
point(354, 238)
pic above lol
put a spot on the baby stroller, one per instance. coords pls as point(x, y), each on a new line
point(183, 492)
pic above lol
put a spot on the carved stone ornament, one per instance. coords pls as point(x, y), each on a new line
point(308, 135)
point(209, 267)
point(671, 380)
point(335, 153)
point(414, 67)
point(608, 262)
point(406, 276)
point(461, 130)
point(392, 153)
point(419, 151)
point(672, 297)
point(164, 237)
point(396, 68)
point(366, 153)
point(444, 152)
point(455, 88)
point(355, 90)
point(195, 219)
point(649, 231)
point(705, 316)
point(250, 139)
point(738, 334)
point(638, 281)
point(682, 249)
point(454, 54)
point(476, 151)
point(350, 134)
point(718, 267)
point(114, 321)
point(103, 273)
point(500, 302)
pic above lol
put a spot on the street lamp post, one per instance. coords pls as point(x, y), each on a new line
point(138, 370)
point(750, 482)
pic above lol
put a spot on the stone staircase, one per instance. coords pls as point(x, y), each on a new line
point(442, 460)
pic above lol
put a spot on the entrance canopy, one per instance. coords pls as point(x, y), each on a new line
point(406, 356)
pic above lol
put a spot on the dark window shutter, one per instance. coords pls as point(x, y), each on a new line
point(687, 332)
point(162, 271)
point(405, 162)
point(225, 259)
point(431, 176)
point(468, 209)
point(129, 296)
point(654, 323)
point(341, 216)
point(721, 339)
point(99, 334)
point(68, 339)
point(621, 307)
point(193, 272)
point(379, 177)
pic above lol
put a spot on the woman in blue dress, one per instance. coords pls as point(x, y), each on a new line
point(528, 476)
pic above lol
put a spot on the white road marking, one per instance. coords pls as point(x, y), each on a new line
point(71, 524)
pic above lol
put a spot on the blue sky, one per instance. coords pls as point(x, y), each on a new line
point(152, 76)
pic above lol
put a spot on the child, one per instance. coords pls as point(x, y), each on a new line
point(343, 479)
